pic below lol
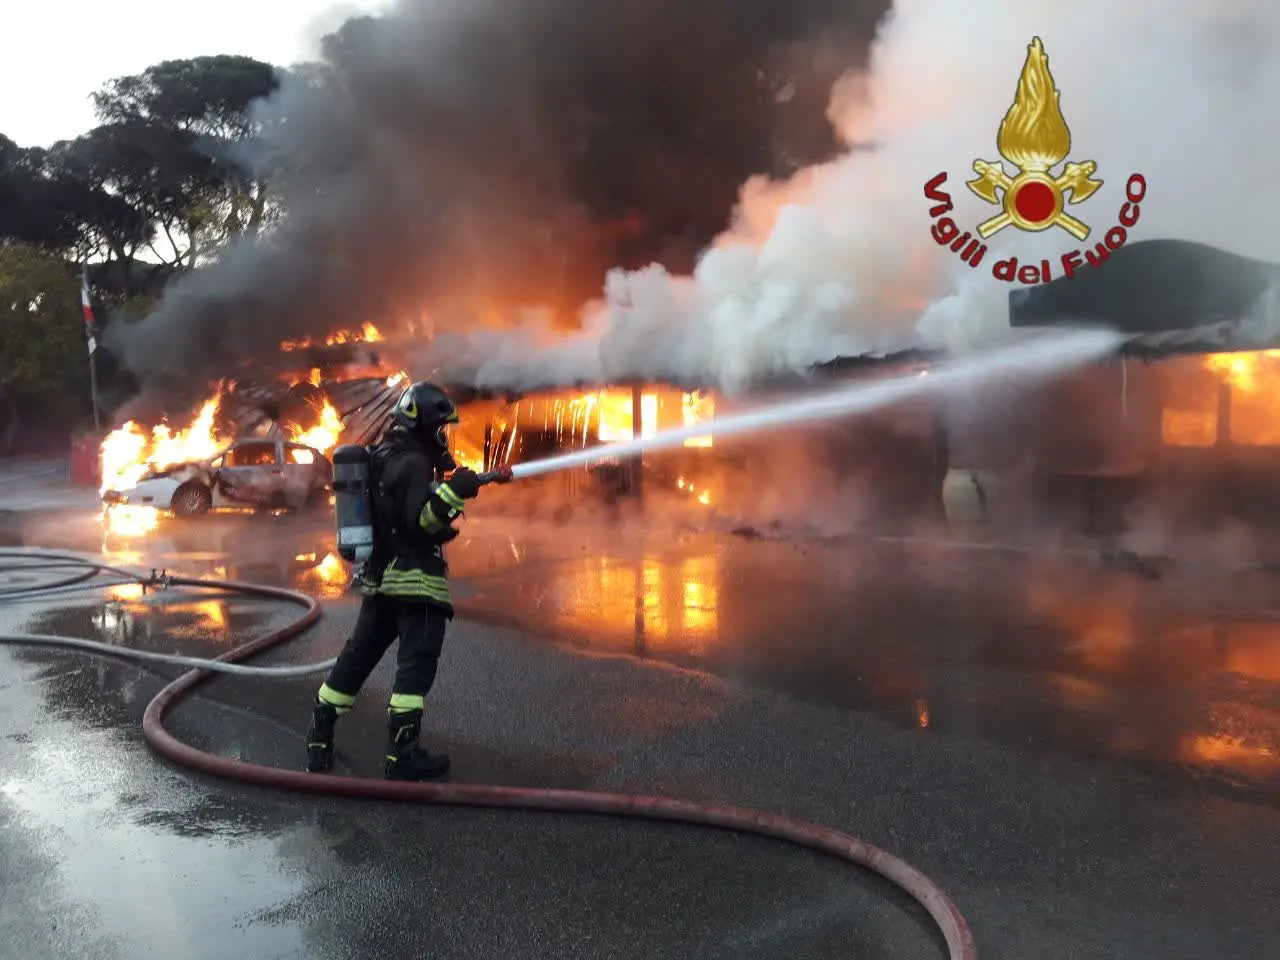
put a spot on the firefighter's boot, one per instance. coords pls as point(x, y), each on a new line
point(324, 717)
point(406, 759)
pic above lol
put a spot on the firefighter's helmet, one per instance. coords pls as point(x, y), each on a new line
point(427, 412)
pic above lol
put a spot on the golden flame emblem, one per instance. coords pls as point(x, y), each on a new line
point(1035, 138)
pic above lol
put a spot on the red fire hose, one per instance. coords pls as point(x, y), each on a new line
point(955, 930)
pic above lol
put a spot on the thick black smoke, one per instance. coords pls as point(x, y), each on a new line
point(459, 158)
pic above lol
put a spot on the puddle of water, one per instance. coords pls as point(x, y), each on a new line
point(84, 796)
point(1083, 661)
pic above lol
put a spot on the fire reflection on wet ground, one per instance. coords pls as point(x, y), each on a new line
point(641, 607)
point(1194, 679)
point(1180, 675)
point(324, 576)
point(156, 620)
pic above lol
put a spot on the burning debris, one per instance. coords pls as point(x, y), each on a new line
point(130, 452)
point(300, 408)
point(324, 435)
point(129, 522)
point(328, 576)
point(547, 424)
point(367, 333)
point(702, 496)
point(318, 413)
point(1110, 427)
point(554, 422)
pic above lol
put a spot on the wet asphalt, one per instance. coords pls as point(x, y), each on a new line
point(1087, 760)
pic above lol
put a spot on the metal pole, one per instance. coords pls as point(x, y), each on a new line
point(93, 389)
point(92, 343)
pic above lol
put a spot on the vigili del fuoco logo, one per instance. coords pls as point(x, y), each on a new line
point(1033, 138)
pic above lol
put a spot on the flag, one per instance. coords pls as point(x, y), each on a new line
point(87, 309)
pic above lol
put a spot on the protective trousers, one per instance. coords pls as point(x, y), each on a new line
point(420, 627)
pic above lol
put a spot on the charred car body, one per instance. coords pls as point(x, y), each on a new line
point(258, 473)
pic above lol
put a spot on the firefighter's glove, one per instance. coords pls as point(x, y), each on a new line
point(365, 581)
point(465, 483)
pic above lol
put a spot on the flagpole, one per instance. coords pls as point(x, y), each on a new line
point(93, 346)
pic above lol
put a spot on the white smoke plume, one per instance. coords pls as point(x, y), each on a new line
point(840, 260)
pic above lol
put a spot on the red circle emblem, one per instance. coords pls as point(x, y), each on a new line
point(1035, 202)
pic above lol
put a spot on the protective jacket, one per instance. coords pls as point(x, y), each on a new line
point(415, 513)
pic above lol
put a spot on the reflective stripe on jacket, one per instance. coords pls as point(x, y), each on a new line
point(420, 513)
point(415, 585)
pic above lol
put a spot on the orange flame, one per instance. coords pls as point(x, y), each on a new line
point(703, 496)
point(1190, 416)
point(464, 457)
point(214, 613)
point(128, 452)
point(325, 434)
point(367, 333)
point(330, 570)
point(698, 407)
point(613, 410)
point(601, 416)
point(328, 578)
point(1245, 371)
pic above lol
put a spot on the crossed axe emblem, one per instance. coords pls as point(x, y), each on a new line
point(1074, 185)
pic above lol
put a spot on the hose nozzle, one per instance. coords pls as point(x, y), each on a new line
point(501, 475)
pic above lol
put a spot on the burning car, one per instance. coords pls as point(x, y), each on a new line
point(254, 473)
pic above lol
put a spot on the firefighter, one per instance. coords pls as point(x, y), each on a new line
point(404, 583)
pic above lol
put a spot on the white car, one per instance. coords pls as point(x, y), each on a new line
point(271, 474)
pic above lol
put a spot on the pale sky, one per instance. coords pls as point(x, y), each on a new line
point(56, 52)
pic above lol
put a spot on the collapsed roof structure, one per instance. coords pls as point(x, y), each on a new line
point(1172, 297)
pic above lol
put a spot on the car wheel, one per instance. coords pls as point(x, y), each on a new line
point(317, 498)
point(191, 500)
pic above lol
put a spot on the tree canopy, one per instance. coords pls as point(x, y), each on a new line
point(152, 191)
point(43, 351)
point(163, 173)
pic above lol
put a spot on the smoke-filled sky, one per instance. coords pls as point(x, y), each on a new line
point(464, 157)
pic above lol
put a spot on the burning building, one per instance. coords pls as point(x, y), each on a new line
point(342, 390)
point(1181, 425)
point(1181, 414)
point(546, 423)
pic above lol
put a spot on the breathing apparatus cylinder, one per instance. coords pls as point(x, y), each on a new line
point(353, 502)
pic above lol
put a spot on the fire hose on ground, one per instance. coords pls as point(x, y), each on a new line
point(955, 930)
